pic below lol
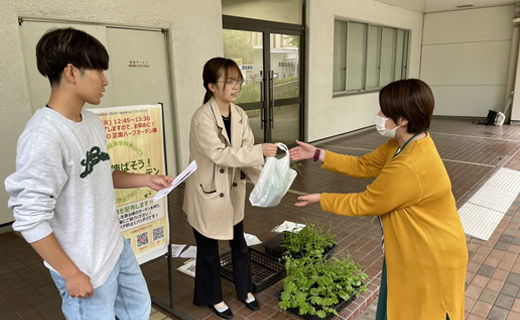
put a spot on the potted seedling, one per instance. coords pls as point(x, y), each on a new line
point(315, 289)
point(313, 240)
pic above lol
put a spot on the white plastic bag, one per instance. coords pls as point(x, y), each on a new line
point(274, 182)
point(499, 120)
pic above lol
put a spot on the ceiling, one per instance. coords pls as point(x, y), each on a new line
point(428, 6)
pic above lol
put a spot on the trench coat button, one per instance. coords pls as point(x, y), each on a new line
point(221, 195)
point(221, 170)
point(235, 184)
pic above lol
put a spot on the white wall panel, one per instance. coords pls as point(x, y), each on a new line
point(473, 63)
point(470, 100)
point(468, 25)
point(465, 56)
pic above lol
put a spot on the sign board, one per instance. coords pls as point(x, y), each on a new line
point(136, 145)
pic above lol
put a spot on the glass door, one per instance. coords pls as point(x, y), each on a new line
point(284, 98)
point(246, 49)
point(269, 55)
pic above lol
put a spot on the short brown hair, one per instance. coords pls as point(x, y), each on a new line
point(59, 47)
point(411, 99)
point(216, 68)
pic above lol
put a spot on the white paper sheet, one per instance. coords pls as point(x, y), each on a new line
point(178, 180)
point(188, 267)
point(289, 226)
point(191, 252)
point(251, 239)
point(177, 249)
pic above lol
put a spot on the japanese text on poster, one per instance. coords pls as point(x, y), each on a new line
point(135, 144)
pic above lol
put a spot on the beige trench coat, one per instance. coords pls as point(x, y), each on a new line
point(214, 198)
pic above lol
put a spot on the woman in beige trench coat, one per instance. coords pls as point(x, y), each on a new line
point(222, 144)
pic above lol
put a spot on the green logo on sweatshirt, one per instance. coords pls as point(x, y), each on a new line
point(94, 156)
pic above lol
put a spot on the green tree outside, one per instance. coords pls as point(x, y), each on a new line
point(238, 45)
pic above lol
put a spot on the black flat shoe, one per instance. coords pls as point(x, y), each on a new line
point(253, 305)
point(226, 314)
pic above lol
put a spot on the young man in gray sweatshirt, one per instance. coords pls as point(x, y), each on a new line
point(62, 193)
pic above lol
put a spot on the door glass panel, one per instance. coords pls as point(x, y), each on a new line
point(285, 65)
point(284, 119)
point(255, 124)
point(281, 87)
point(286, 127)
point(246, 49)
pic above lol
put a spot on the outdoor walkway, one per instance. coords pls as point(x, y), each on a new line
point(471, 155)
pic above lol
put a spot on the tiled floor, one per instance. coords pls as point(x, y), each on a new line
point(471, 154)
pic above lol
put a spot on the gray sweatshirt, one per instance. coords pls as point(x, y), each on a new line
point(63, 185)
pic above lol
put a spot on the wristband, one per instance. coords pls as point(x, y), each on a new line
point(317, 155)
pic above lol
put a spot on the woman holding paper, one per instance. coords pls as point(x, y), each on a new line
point(425, 253)
point(222, 144)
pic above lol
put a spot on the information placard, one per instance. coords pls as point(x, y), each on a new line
point(136, 145)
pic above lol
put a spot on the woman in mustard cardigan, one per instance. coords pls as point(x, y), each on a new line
point(425, 253)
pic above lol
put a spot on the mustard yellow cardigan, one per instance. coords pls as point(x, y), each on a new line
point(425, 246)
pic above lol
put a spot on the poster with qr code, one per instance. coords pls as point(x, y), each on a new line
point(136, 145)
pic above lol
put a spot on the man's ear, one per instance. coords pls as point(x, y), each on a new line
point(402, 122)
point(70, 73)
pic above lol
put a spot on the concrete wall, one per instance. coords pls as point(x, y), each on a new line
point(289, 11)
point(327, 115)
point(465, 56)
point(195, 36)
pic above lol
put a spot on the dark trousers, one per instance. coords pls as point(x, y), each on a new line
point(208, 290)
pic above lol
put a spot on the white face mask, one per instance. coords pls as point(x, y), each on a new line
point(381, 127)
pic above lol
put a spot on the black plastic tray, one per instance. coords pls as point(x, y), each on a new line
point(340, 306)
point(265, 270)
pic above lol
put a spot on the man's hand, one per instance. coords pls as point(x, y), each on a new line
point(78, 285)
point(158, 182)
point(308, 200)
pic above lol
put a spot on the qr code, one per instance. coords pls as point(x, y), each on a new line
point(158, 233)
point(142, 239)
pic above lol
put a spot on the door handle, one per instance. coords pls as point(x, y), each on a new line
point(271, 99)
point(263, 99)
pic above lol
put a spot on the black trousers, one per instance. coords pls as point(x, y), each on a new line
point(208, 290)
